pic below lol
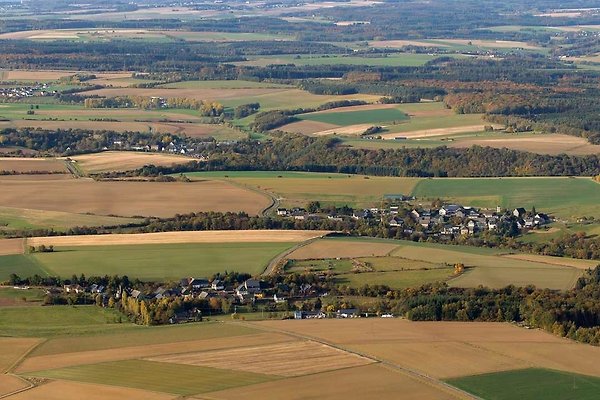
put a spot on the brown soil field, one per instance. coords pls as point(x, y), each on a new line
point(33, 75)
point(396, 44)
point(424, 133)
point(24, 165)
point(63, 390)
point(449, 349)
point(63, 360)
point(125, 160)
point(306, 127)
point(199, 94)
point(11, 246)
point(254, 236)
point(126, 198)
point(341, 249)
point(10, 384)
point(283, 359)
point(560, 261)
point(371, 382)
point(542, 144)
point(11, 349)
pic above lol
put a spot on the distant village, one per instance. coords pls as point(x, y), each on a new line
point(40, 89)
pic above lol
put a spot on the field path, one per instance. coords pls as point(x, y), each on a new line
point(419, 376)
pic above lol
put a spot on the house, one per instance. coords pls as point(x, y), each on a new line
point(96, 288)
point(217, 284)
point(519, 212)
point(541, 219)
point(279, 299)
point(347, 313)
point(395, 221)
point(308, 314)
point(251, 286)
point(282, 212)
point(464, 230)
point(136, 294)
point(195, 283)
point(450, 210)
point(74, 289)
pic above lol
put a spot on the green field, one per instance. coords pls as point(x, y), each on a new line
point(30, 295)
point(530, 384)
point(162, 261)
point(36, 321)
point(297, 189)
point(22, 265)
point(395, 59)
point(158, 376)
point(563, 197)
point(356, 117)
point(396, 279)
point(18, 218)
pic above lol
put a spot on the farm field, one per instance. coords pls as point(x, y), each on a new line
point(548, 385)
point(224, 84)
point(404, 263)
point(165, 262)
point(192, 129)
point(32, 165)
point(10, 296)
point(467, 45)
point(411, 121)
point(563, 197)
point(299, 189)
point(125, 161)
point(128, 198)
point(397, 59)
point(447, 350)
point(11, 246)
point(19, 218)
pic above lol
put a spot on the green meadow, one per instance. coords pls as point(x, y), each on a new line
point(357, 117)
point(162, 261)
point(563, 197)
point(530, 384)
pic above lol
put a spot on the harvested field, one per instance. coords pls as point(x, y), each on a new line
point(12, 349)
point(254, 236)
point(63, 390)
point(345, 130)
point(433, 132)
point(450, 349)
point(11, 246)
point(125, 160)
point(129, 198)
point(10, 384)
point(285, 359)
point(542, 144)
point(342, 249)
point(33, 75)
point(157, 351)
point(371, 382)
point(31, 165)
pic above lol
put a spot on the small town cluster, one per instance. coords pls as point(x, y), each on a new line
point(39, 89)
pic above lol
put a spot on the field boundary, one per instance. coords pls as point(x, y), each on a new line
point(270, 268)
point(28, 387)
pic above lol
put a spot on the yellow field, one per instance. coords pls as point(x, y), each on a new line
point(24, 165)
point(10, 384)
point(341, 249)
point(560, 261)
point(285, 359)
point(125, 160)
point(12, 349)
point(126, 198)
point(425, 133)
point(254, 236)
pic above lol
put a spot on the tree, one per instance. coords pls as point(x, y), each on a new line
point(313, 206)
